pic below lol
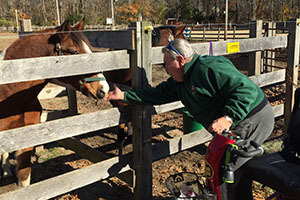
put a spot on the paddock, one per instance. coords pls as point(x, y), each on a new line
point(140, 57)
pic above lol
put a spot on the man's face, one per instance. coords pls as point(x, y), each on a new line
point(174, 68)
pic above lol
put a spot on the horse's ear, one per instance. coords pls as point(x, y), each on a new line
point(179, 30)
point(79, 25)
point(64, 30)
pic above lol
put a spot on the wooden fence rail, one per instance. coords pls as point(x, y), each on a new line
point(50, 67)
point(216, 32)
point(33, 135)
point(267, 59)
point(220, 48)
point(55, 66)
point(62, 128)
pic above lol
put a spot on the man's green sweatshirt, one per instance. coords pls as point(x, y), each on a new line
point(212, 88)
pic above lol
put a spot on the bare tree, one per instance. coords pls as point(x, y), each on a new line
point(43, 12)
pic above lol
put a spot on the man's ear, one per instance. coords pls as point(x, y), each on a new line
point(181, 60)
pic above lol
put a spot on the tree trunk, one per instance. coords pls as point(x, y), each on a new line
point(81, 7)
point(272, 11)
point(253, 10)
point(207, 10)
point(44, 12)
point(237, 11)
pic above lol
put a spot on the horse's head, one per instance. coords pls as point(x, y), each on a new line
point(94, 86)
point(71, 40)
point(162, 35)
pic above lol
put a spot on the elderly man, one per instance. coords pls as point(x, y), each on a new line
point(214, 92)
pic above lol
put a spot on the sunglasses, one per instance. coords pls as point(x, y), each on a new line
point(170, 46)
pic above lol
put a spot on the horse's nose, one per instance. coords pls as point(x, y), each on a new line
point(100, 93)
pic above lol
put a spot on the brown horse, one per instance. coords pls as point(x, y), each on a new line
point(19, 105)
point(161, 36)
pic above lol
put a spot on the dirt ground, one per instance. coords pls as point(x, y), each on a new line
point(6, 39)
point(55, 160)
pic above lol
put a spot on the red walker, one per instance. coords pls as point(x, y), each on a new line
point(221, 152)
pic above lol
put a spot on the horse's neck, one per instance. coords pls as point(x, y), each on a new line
point(16, 91)
point(29, 48)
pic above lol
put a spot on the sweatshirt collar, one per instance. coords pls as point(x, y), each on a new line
point(188, 65)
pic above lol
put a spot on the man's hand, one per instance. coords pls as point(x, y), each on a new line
point(219, 125)
point(116, 94)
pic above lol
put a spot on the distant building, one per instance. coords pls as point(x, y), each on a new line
point(172, 21)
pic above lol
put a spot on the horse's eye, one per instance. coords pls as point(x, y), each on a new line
point(74, 52)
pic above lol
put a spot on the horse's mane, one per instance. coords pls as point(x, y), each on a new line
point(41, 39)
point(78, 36)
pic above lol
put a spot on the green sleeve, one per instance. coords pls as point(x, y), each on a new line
point(165, 92)
point(240, 93)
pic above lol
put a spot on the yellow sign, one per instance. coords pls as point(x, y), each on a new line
point(233, 47)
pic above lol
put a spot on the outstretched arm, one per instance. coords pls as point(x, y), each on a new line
point(116, 94)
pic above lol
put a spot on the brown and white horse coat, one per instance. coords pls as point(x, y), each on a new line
point(19, 105)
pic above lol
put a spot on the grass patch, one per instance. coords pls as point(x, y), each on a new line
point(273, 146)
point(52, 153)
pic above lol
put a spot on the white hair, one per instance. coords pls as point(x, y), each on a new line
point(182, 46)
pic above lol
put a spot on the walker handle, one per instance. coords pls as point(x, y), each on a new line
point(248, 154)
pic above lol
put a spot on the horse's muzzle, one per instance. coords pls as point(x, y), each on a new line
point(100, 93)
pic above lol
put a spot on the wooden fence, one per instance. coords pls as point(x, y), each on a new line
point(140, 58)
point(269, 60)
point(205, 34)
point(216, 32)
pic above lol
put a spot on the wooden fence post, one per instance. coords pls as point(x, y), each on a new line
point(255, 57)
point(292, 70)
point(141, 119)
point(270, 55)
point(234, 31)
point(72, 102)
